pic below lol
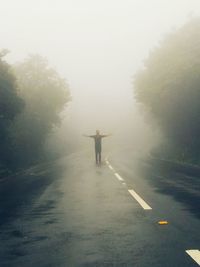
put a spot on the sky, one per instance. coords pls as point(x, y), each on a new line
point(96, 45)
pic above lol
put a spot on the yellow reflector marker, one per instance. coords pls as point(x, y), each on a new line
point(163, 222)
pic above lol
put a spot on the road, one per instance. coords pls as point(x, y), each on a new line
point(72, 213)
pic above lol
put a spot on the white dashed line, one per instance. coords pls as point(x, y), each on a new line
point(132, 192)
point(119, 177)
point(139, 200)
point(110, 167)
point(194, 254)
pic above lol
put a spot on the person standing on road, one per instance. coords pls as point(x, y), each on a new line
point(97, 141)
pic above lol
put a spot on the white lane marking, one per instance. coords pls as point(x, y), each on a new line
point(132, 192)
point(119, 177)
point(139, 200)
point(110, 167)
point(194, 254)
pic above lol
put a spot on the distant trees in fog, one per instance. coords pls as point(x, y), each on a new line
point(169, 87)
point(32, 95)
point(11, 104)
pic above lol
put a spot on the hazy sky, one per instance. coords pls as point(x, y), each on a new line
point(96, 44)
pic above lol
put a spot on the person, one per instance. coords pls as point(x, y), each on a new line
point(97, 141)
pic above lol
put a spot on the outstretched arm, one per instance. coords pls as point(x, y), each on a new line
point(88, 135)
point(106, 135)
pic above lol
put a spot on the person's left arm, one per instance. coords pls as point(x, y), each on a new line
point(105, 135)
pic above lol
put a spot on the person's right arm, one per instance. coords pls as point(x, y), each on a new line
point(92, 136)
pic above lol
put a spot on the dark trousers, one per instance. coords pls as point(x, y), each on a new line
point(98, 156)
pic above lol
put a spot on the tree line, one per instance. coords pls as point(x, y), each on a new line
point(32, 96)
point(168, 87)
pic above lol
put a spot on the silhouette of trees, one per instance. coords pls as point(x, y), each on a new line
point(32, 97)
point(169, 87)
point(45, 95)
point(10, 105)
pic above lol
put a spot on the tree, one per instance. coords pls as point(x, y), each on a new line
point(10, 105)
point(45, 95)
point(169, 87)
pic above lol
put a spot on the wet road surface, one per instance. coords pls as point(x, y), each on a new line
point(72, 213)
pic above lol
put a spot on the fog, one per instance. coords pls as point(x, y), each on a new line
point(97, 46)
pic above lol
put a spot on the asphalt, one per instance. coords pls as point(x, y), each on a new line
point(72, 213)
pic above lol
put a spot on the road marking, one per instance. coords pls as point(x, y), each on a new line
point(119, 177)
point(132, 192)
point(163, 222)
point(194, 254)
point(110, 167)
point(139, 200)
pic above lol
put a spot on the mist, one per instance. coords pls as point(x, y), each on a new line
point(98, 46)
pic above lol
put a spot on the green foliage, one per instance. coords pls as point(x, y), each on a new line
point(169, 86)
point(45, 95)
point(10, 105)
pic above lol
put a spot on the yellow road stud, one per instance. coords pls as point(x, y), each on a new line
point(163, 222)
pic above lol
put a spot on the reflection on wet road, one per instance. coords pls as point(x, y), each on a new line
point(73, 213)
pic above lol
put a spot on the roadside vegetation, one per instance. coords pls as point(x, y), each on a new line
point(32, 96)
point(168, 89)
